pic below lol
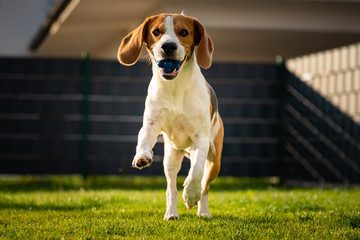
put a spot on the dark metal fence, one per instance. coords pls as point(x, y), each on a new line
point(81, 116)
point(53, 121)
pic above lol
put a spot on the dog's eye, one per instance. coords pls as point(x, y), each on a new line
point(156, 32)
point(184, 33)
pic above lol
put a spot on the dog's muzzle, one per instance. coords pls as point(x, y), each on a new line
point(170, 64)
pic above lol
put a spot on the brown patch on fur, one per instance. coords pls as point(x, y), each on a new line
point(185, 23)
point(130, 48)
point(205, 46)
point(157, 22)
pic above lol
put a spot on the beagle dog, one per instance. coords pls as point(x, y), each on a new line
point(180, 105)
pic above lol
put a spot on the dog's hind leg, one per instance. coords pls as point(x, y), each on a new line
point(212, 169)
point(172, 164)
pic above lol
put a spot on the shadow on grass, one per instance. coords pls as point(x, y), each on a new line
point(353, 220)
point(75, 182)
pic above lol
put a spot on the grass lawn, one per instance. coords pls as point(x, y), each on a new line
point(53, 207)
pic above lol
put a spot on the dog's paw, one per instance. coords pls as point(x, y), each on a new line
point(204, 214)
point(171, 216)
point(143, 160)
point(191, 193)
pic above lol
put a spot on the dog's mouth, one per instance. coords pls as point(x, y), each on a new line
point(169, 68)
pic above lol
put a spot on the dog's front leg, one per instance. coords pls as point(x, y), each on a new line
point(192, 184)
point(146, 141)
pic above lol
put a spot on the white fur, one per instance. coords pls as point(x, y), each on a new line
point(179, 109)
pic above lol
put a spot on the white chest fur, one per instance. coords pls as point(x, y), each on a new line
point(180, 107)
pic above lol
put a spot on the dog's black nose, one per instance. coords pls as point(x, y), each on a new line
point(169, 47)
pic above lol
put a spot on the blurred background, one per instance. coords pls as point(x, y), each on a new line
point(287, 75)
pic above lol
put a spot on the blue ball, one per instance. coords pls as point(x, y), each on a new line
point(168, 64)
point(161, 64)
point(168, 70)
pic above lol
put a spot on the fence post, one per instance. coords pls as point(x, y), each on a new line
point(85, 114)
point(281, 71)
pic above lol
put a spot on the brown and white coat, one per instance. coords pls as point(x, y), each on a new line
point(181, 105)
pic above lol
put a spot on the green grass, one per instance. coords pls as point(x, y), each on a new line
point(55, 207)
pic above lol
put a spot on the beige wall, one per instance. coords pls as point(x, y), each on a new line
point(335, 74)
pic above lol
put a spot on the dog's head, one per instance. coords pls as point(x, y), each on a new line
point(170, 40)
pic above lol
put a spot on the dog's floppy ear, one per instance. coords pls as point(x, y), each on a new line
point(205, 46)
point(131, 45)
